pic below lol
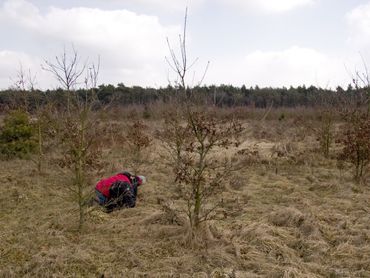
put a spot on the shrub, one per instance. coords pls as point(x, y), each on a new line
point(195, 148)
point(356, 140)
point(138, 141)
point(325, 132)
point(17, 136)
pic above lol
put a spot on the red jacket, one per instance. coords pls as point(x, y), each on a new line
point(103, 185)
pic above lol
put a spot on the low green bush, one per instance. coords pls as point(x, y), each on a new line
point(17, 136)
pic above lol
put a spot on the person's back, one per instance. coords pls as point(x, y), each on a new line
point(104, 185)
point(118, 191)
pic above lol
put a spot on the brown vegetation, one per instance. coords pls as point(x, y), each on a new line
point(288, 211)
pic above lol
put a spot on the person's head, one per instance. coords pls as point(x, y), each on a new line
point(141, 180)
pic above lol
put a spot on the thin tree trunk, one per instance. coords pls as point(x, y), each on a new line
point(39, 163)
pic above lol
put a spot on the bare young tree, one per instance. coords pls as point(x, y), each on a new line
point(32, 81)
point(23, 83)
point(192, 137)
point(92, 74)
point(67, 69)
point(91, 82)
point(202, 172)
point(81, 156)
point(20, 81)
point(79, 130)
point(355, 135)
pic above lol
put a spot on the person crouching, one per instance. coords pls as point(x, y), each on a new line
point(118, 191)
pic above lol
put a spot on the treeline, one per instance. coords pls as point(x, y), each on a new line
point(220, 96)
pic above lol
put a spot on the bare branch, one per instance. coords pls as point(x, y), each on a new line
point(20, 80)
point(66, 70)
point(204, 74)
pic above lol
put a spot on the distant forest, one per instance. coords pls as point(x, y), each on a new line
point(220, 96)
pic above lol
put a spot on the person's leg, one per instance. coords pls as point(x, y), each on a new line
point(100, 198)
point(108, 205)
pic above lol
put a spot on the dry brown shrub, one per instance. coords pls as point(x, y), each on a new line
point(193, 147)
point(137, 142)
point(356, 141)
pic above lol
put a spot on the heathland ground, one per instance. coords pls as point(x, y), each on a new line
point(287, 212)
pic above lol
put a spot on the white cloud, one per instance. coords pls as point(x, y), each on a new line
point(24, 12)
point(131, 45)
point(269, 6)
point(293, 66)
point(172, 5)
point(359, 27)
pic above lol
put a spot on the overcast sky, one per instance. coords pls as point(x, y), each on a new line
point(252, 42)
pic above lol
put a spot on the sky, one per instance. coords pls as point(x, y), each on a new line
point(269, 43)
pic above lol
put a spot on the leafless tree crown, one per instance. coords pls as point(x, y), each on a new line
point(179, 64)
point(67, 69)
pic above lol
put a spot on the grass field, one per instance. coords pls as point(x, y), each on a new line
point(296, 214)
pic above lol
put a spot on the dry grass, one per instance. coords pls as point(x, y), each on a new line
point(288, 215)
